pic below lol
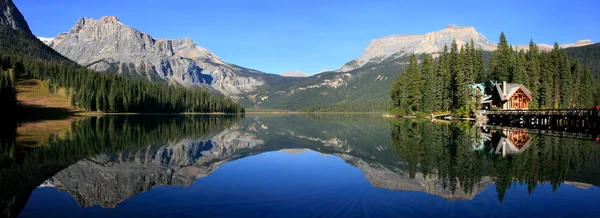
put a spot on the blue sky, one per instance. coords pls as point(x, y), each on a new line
point(276, 36)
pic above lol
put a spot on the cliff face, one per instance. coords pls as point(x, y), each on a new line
point(402, 45)
point(12, 17)
point(393, 46)
point(107, 45)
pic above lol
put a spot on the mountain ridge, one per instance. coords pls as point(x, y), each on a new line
point(399, 45)
point(108, 45)
point(12, 17)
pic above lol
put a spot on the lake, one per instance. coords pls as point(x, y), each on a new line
point(295, 166)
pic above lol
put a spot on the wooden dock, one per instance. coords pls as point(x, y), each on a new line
point(569, 120)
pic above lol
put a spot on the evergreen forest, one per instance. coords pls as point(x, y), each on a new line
point(444, 82)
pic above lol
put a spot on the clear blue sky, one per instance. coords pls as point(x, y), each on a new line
point(276, 36)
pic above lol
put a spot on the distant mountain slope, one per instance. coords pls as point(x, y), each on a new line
point(364, 84)
point(17, 39)
point(402, 45)
point(588, 56)
point(108, 45)
point(11, 16)
point(363, 89)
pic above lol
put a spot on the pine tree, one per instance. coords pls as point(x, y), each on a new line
point(533, 70)
point(520, 74)
point(429, 88)
point(547, 81)
point(586, 98)
point(576, 75)
point(399, 96)
point(459, 80)
point(415, 83)
point(502, 67)
point(443, 78)
point(566, 81)
point(480, 69)
point(556, 60)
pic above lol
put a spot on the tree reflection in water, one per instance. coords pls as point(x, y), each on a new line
point(461, 154)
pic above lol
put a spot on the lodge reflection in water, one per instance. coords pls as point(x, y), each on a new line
point(455, 161)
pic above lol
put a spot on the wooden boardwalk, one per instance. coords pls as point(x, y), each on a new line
point(567, 120)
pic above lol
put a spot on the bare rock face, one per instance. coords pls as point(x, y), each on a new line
point(107, 45)
point(11, 16)
point(402, 45)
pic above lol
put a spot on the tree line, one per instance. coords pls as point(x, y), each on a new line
point(95, 91)
point(444, 82)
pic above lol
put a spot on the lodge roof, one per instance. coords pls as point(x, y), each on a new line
point(511, 89)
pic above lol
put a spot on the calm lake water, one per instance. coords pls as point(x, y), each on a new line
point(297, 166)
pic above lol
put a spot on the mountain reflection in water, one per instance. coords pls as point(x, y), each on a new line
point(107, 160)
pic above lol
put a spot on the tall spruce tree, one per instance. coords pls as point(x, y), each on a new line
point(520, 74)
point(503, 56)
point(459, 80)
point(556, 59)
point(399, 94)
point(576, 75)
point(533, 70)
point(415, 83)
point(455, 66)
point(547, 81)
point(586, 98)
point(429, 87)
point(566, 81)
point(480, 69)
point(444, 79)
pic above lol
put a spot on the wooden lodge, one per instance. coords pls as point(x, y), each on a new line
point(511, 96)
point(503, 96)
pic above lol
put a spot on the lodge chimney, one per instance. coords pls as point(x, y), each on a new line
point(504, 88)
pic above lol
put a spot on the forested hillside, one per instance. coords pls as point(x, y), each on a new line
point(98, 92)
point(446, 83)
point(588, 56)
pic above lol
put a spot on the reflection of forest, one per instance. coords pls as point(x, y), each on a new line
point(134, 153)
point(461, 155)
point(23, 169)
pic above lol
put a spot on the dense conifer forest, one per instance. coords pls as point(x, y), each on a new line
point(93, 91)
point(445, 83)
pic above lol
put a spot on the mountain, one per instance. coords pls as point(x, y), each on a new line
point(363, 84)
point(402, 45)
point(295, 74)
point(588, 56)
point(46, 40)
point(546, 47)
point(107, 45)
point(11, 16)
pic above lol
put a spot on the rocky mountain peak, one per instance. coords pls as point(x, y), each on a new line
point(11, 16)
point(584, 42)
point(400, 45)
point(109, 19)
point(451, 26)
point(107, 45)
